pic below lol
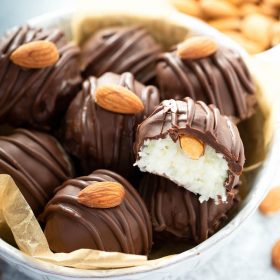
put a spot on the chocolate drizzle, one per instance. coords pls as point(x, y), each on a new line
point(177, 213)
point(175, 118)
point(100, 138)
point(125, 228)
point(36, 162)
point(36, 97)
point(121, 49)
point(221, 79)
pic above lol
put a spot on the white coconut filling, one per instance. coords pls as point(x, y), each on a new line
point(205, 176)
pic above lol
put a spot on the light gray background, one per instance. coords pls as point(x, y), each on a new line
point(248, 255)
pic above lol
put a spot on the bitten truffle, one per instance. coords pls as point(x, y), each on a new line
point(193, 145)
point(121, 49)
point(100, 138)
point(177, 213)
point(71, 225)
point(221, 78)
point(36, 162)
point(37, 97)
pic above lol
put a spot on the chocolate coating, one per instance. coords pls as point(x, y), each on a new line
point(175, 118)
point(37, 97)
point(71, 226)
point(100, 138)
point(177, 213)
point(121, 49)
point(36, 162)
point(221, 79)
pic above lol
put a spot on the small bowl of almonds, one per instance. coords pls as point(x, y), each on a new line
point(253, 24)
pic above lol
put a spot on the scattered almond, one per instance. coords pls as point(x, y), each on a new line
point(197, 47)
point(36, 54)
point(118, 99)
point(271, 204)
point(191, 146)
point(190, 7)
point(276, 255)
point(102, 195)
point(218, 9)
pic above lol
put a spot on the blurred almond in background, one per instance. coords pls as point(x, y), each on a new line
point(254, 24)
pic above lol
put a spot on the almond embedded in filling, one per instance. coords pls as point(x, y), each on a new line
point(205, 176)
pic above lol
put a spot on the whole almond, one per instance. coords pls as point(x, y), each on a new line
point(36, 54)
point(102, 195)
point(214, 9)
point(190, 7)
point(275, 255)
point(257, 27)
point(248, 8)
point(196, 47)
point(268, 10)
point(271, 204)
point(118, 99)
point(191, 146)
point(250, 46)
point(225, 24)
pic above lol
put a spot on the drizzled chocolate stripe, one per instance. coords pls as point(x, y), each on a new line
point(177, 213)
point(33, 97)
point(100, 138)
point(120, 50)
point(125, 228)
point(36, 162)
point(221, 79)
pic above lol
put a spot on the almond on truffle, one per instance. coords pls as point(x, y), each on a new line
point(196, 47)
point(102, 195)
point(118, 99)
point(35, 55)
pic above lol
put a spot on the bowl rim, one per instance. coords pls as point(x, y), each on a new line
point(262, 184)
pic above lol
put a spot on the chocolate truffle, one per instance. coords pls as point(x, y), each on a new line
point(36, 162)
point(71, 225)
point(193, 145)
point(37, 97)
point(221, 79)
point(177, 213)
point(100, 138)
point(121, 49)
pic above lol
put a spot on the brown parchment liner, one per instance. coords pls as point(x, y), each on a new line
point(19, 226)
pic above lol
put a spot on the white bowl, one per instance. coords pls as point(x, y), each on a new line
point(178, 266)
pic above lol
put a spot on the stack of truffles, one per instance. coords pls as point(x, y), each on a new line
point(120, 143)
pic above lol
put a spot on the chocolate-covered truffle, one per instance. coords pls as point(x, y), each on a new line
point(193, 145)
point(71, 225)
point(177, 213)
point(100, 138)
point(37, 97)
point(36, 162)
point(121, 49)
point(221, 79)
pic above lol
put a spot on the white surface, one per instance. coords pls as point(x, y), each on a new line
point(248, 256)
